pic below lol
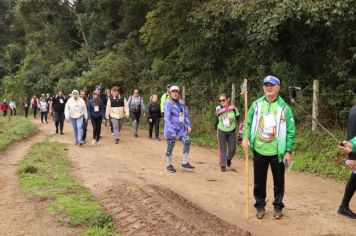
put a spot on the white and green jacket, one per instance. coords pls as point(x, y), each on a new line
point(285, 132)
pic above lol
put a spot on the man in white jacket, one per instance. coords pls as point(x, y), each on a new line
point(76, 112)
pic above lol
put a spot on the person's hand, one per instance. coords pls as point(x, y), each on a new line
point(352, 164)
point(288, 158)
point(150, 120)
point(189, 130)
point(347, 148)
point(67, 120)
point(245, 144)
point(174, 135)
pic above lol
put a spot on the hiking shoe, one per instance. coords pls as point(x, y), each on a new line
point(136, 135)
point(61, 133)
point(223, 168)
point(345, 211)
point(81, 143)
point(171, 169)
point(117, 141)
point(188, 166)
point(278, 214)
point(57, 131)
point(93, 142)
point(260, 213)
point(228, 163)
point(158, 139)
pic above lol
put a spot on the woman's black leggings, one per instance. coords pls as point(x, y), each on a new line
point(96, 122)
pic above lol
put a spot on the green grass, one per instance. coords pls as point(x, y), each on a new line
point(44, 174)
point(319, 153)
point(13, 130)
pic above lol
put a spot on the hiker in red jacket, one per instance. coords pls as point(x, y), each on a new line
point(4, 107)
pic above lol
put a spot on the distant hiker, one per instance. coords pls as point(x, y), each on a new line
point(117, 109)
point(58, 105)
point(84, 96)
point(136, 107)
point(226, 124)
point(50, 107)
point(43, 110)
point(76, 112)
point(153, 116)
point(34, 105)
point(164, 99)
point(4, 107)
point(12, 106)
point(271, 137)
point(350, 148)
point(177, 127)
point(26, 105)
point(96, 113)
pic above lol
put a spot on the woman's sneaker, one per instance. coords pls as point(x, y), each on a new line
point(223, 168)
point(171, 169)
point(117, 141)
point(188, 167)
point(228, 163)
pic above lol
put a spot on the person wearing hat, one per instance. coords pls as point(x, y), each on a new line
point(117, 109)
point(164, 99)
point(4, 107)
point(271, 137)
point(76, 112)
point(96, 113)
point(177, 127)
point(349, 148)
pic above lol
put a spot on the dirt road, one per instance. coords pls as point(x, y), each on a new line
point(129, 180)
point(20, 215)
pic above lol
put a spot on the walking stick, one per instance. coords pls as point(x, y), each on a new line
point(247, 175)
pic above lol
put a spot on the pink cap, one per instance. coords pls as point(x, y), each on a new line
point(174, 88)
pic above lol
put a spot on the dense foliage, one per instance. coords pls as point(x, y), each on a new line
point(204, 45)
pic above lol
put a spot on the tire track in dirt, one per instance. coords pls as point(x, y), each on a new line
point(154, 210)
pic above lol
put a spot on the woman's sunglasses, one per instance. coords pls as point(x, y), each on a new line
point(222, 100)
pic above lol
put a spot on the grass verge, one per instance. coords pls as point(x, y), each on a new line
point(44, 174)
point(13, 130)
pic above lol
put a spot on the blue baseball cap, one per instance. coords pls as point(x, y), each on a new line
point(98, 87)
point(271, 80)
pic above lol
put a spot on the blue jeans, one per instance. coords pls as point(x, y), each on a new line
point(77, 129)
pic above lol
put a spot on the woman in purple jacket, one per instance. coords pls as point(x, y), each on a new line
point(177, 127)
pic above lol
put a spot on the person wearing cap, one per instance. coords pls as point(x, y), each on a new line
point(117, 109)
point(164, 99)
point(96, 113)
point(4, 107)
point(271, 137)
point(177, 127)
point(349, 148)
point(136, 107)
point(76, 112)
point(58, 105)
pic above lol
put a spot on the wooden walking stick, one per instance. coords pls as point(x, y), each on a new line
point(247, 174)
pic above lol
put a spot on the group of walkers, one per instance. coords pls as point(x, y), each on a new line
point(270, 133)
point(5, 106)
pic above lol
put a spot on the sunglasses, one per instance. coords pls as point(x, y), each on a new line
point(222, 100)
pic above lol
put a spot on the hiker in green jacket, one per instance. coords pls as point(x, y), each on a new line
point(271, 134)
point(164, 99)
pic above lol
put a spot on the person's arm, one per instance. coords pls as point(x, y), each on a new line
point(67, 110)
point(167, 119)
point(290, 129)
point(102, 110)
point(126, 108)
point(85, 109)
point(90, 110)
point(108, 108)
point(148, 113)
